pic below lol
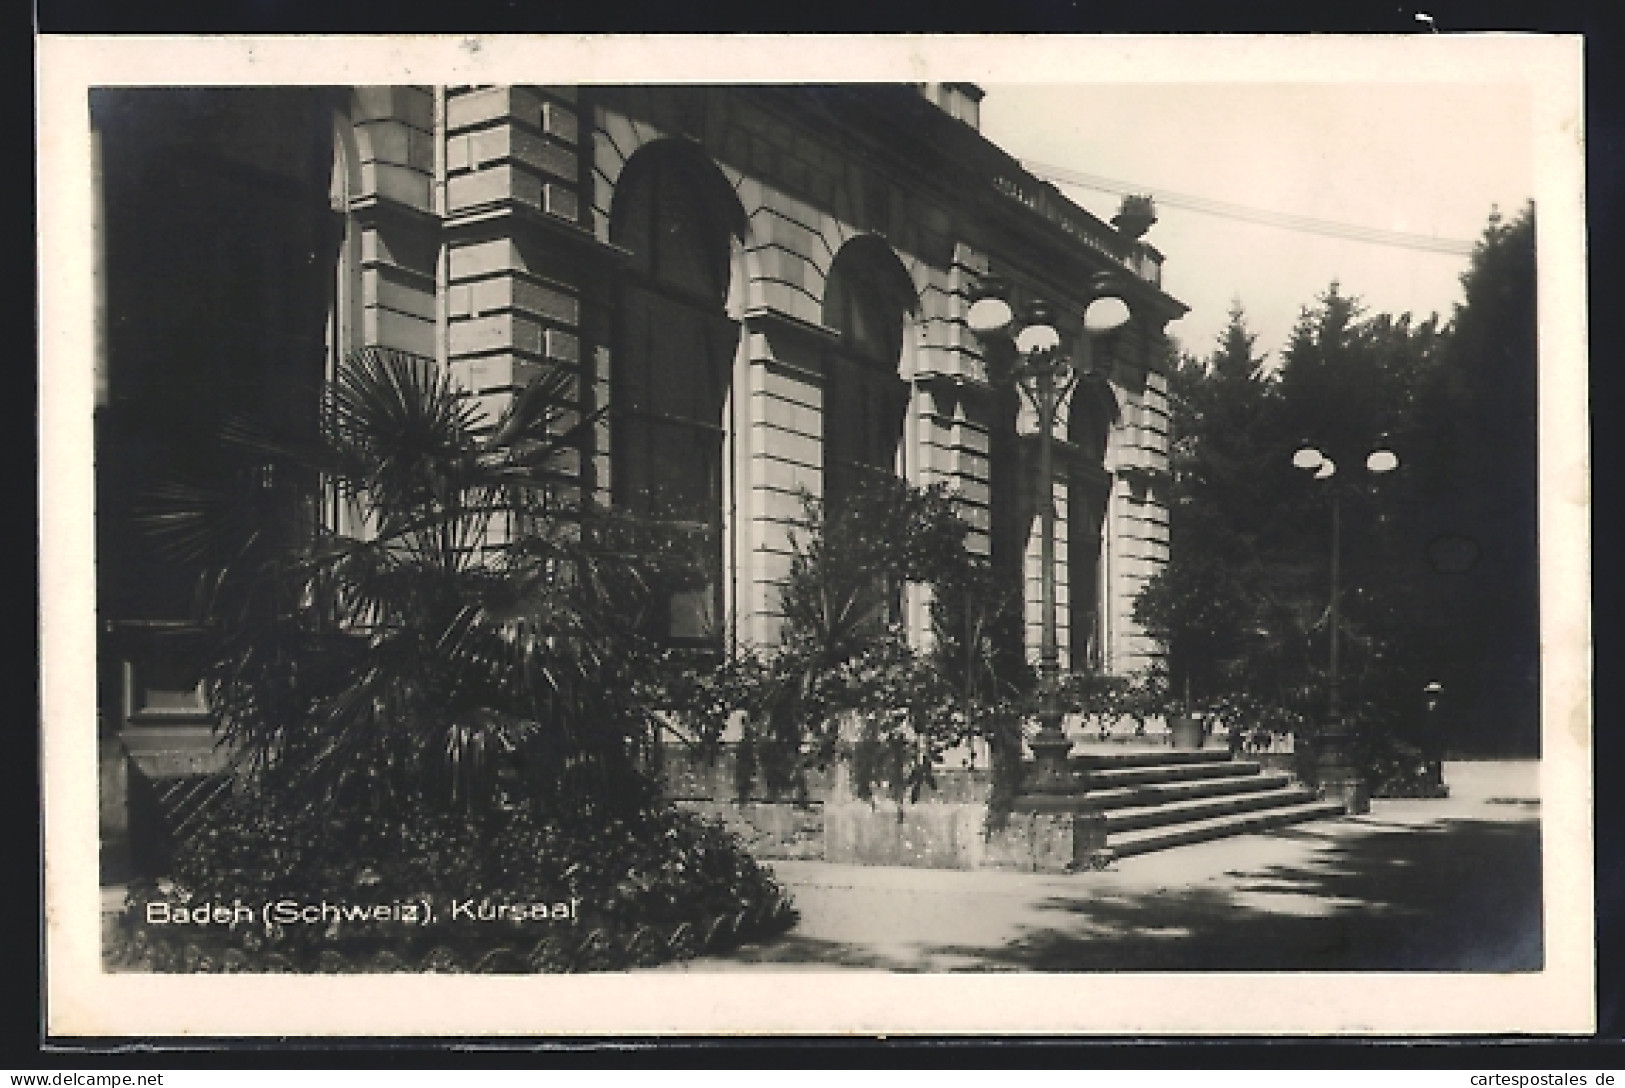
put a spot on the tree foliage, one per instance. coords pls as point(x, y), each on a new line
point(1476, 521)
point(1244, 599)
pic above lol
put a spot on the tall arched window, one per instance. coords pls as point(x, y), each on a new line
point(344, 318)
point(1011, 509)
point(673, 354)
point(1094, 410)
point(344, 311)
point(866, 299)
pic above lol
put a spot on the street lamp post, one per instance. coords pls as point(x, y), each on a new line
point(1433, 742)
point(1340, 779)
point(1043, 372)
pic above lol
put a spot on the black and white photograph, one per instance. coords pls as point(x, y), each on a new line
point(547, 536)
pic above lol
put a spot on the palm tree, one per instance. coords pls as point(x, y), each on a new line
point(413, 606)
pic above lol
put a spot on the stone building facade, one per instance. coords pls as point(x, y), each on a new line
point(765, 286)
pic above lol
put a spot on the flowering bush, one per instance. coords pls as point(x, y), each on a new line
point(1103, 701)
point(1248, 720)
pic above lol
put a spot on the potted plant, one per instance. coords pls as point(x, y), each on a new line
point(1188, 730)
point(1136, 215)
point(1186, 727)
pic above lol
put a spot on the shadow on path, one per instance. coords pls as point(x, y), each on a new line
point(1463, 895)
point(1449, 895)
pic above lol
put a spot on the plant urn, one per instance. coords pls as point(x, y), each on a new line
point(1186, 731)
point(1135, 216)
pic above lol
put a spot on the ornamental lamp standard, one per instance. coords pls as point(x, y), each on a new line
point(1433, 740)
point(1046, 376)
point(1339, 778)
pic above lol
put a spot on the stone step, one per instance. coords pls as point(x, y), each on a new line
point(1091, 759)
point(1201, 808)
point(1113, 777)
point(1165, 792)
point(1129, 843)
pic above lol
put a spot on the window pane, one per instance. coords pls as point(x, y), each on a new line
point(1086, 506)
point(683, 469)
point(634, 213)
point(683, 380)
point(686, 244)
point(865, 309)
point(863, 424)
point(692, 613)
point(674, 352)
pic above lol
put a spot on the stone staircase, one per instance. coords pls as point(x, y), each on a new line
point(1156, 798)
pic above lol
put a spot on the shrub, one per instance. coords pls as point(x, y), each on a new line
point(429, 691)
point(1396, 766)
point(843, 681)
point(462, 618)
point(635, 888)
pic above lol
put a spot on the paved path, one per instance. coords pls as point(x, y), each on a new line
point(1442, 885)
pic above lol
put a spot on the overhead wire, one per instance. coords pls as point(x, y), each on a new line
point(1282, 220)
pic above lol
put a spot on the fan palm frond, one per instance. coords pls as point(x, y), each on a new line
point(456, 621)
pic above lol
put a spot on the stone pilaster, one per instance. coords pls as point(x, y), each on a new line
point(1138, 528)
point(394, 211)
point(526, 282)
point(783, 450)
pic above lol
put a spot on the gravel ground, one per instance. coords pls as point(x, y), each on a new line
point(1417, 885)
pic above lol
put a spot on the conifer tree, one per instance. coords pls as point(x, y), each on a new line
point(1211, 596)
point(1439, 571)
point(1474, 533)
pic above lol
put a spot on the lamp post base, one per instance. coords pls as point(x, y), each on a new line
point(1339, 779)
point(1352, 793)
point(1060, 827)
point(1052, 773)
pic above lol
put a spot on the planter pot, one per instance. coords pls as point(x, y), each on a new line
point(1187, 732)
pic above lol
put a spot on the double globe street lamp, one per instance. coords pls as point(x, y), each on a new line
point(1046, 375)
point(1339, 777)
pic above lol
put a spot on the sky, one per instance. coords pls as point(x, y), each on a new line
point(1428, 159)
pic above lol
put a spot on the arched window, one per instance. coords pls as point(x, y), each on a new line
point(344, 316)
point(1011, 508)
point(866, 299)
point(1093, 411)
point(673, 355)
point(344, 310)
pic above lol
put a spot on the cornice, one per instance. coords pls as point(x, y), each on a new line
point(952, 386)
point(374, 208)
point(771, 319)
point(494, 218)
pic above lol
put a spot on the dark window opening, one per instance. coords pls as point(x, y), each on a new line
point(1094, 410)
point(866, 300)
point(674, 352)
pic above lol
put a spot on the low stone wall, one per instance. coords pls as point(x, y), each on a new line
point(947, 828)
point(769, 829)
point(955, 835)
point(770, 826)
point(690, 775)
